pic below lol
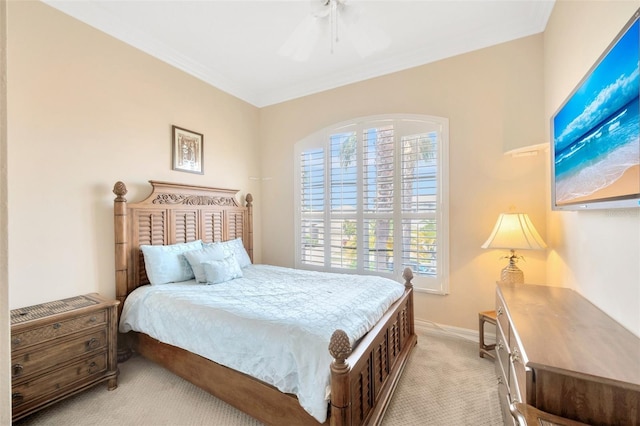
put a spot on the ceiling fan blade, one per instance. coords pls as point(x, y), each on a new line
point(303, 40)
point(363, 34)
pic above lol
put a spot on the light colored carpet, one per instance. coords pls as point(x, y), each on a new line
point(444, 383)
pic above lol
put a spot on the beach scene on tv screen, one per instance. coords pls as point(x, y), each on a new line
point(597, 131)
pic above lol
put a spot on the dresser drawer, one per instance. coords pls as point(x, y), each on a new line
point(37, 359)
point(515, 388)
point(55, 381)
point(503, 394)
point(56, 329)
point(518, 375)
point(501, 315)
point(502, 353)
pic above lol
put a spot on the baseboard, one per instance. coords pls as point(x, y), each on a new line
point(433, 328)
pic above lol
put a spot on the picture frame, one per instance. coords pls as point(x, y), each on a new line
point(187, 150)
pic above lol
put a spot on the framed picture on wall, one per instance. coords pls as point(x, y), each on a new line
point(187, 150)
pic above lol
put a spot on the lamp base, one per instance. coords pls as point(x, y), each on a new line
point(511, 274)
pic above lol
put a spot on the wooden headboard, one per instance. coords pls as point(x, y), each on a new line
point(174, 213)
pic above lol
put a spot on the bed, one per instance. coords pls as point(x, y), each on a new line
point(362, 378)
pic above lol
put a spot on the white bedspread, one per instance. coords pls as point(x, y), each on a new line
point(273, 324)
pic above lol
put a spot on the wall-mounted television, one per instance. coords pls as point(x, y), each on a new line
point(595, 134)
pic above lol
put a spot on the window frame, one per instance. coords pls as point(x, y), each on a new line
point(438, 284)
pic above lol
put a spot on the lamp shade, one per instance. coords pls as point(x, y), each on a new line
point(514, 231)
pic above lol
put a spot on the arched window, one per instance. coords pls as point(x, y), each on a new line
point(371, 197)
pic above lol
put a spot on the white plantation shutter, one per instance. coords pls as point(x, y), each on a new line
point(343, 198)
point(311, 204)
point(378, 196)
point(419, 165)
point(371, 198)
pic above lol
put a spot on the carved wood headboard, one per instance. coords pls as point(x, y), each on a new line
point(174, 213)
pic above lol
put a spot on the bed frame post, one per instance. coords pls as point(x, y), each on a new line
point(249, 244)
point(340, 349)
point(407, 274)
point(121, 257)
point(120, 227)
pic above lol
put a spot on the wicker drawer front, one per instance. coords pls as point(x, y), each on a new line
point(57, 329)
point(41, 358)
point(57, 380)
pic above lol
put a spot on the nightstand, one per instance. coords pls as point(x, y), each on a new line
point(486, 317)
point(60, 348)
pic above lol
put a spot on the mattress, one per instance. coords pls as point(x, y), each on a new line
point(274, 323)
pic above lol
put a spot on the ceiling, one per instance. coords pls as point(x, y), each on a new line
point(233, 45)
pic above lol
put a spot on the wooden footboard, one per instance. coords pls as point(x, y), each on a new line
point(363, 381)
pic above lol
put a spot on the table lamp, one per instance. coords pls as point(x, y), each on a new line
point(514, 231)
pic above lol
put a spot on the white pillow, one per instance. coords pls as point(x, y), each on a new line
point(237, 248)
point(167, 264)
point(219, 271)
point(209, 251)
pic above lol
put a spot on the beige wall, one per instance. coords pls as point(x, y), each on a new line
point(86, 110)
point(493, 99)
point(596, 253)
point(5, 353)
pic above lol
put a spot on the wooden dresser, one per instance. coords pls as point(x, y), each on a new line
point(557, 352)
point(61, 348)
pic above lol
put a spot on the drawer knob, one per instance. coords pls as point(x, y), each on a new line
point(499, 310)
point(92, 343)
point(17, 369)
point(93, 319)
point(16, 398)
point(16, 341)
point(500, 380)
point(92, 367)
point(57, 326)
point(499, 345)
point(515, 355)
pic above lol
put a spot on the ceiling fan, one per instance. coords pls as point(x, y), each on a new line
point(335, 18)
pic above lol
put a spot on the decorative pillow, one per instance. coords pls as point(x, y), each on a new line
point(167, 264)
point(210, 251)
point(219, 271)
point(237, 248)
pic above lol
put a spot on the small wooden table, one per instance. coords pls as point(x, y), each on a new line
point(484, 317)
